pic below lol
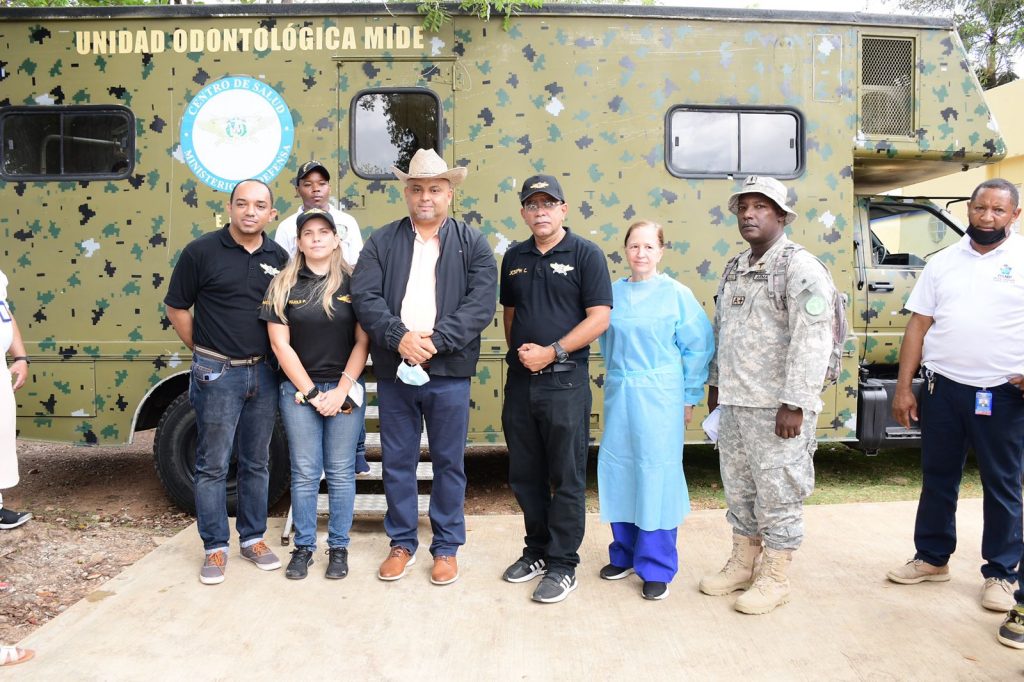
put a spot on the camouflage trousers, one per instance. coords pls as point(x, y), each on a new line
point(766, 478)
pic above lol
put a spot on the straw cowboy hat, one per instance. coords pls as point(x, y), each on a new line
point(426, 164)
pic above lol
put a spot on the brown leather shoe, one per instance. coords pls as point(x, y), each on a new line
point(396, 565)
point(445, 571)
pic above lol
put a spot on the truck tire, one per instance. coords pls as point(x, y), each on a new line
point(174, 452)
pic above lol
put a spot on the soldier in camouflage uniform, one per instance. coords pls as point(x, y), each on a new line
point(767, 375)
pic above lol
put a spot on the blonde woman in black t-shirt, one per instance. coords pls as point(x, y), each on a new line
point(322, 350)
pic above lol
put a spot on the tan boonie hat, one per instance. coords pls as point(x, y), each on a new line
point(770, 187)
point(427, 165)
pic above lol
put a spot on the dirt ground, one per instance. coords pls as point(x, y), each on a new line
point(98, 510)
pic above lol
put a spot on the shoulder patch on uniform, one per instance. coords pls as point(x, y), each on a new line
point(815, 305)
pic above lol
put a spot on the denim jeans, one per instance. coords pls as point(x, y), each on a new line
point(235, 406)
point(444, 403)
point(321, 445)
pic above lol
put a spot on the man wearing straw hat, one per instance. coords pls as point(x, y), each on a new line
point(424, 289)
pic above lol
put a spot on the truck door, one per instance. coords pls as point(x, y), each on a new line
point(897, 236)
point(388, 109)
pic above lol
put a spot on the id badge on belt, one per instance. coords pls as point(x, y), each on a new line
point(983, 403)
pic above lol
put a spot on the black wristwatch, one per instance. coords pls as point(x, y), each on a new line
point(560, 354)
point(313, 392)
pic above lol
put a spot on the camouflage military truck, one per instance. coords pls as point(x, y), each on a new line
point(124, 127)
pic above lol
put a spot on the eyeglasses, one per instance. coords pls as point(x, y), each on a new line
point(546, 205)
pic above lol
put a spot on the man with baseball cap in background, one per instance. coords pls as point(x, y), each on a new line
point(557, 299)
point(772, 351)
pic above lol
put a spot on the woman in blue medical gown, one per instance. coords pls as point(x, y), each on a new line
point(656, 352)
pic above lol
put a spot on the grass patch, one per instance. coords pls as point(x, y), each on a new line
point(842, 476)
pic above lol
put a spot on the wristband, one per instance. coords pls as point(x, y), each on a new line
point(347, 376)
point(313, 392)
point(22, 357)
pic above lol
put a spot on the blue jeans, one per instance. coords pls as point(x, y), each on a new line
point(318, 445)
point(444, 403)
point(235, 406)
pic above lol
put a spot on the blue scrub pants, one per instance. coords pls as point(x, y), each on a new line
point(948, 427)
point(651, 553)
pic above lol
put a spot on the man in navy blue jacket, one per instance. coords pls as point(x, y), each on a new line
point(424, 289)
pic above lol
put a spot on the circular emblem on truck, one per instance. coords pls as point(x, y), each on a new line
point(236, 128)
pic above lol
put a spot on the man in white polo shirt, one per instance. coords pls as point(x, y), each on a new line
point(313, 186)
point(972, 291)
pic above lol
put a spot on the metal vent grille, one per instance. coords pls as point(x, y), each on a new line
point(887, 87)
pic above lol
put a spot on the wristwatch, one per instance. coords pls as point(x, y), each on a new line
point(560, 354)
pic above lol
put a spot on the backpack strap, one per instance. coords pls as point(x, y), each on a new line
point(730, 268)
point(777, 279)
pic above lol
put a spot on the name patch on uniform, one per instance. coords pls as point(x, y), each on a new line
point(760, 276)
point(517, 271)
point(731, 277)
point(738, 300)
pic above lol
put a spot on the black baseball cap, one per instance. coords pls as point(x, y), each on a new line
point(310, 166)
point(311, 213)
point(541, 184)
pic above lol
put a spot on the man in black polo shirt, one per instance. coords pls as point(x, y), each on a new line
point(223, 276)
point(557, 298)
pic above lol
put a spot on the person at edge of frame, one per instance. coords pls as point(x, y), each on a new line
point(424, 291)
point(322, 351)
point(12, 378)
point(557, 300)
point(970, 400)
point(656, 351)
point(222, 276)
point(313, 188)
point(767, 375)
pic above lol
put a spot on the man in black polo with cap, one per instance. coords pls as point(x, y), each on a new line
point(222, 276)
point(557, 299)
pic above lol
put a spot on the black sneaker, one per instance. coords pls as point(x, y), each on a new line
point(1011, 632)
point(555, 587)
point(654, 590)
point(613, 572)
point(337, 563)
point(298, 567)
point(11, 519)
point(524, 570)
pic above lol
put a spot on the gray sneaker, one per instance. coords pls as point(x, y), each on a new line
point(261, 555)
point(524, 570)
point(212, 572)
point(555, 587)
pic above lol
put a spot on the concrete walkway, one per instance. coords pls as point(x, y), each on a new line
point(846, 622)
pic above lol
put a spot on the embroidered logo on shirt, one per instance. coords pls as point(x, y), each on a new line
point(1005, 274)
point(345, 299)
point(269, 269)
point(562, 268)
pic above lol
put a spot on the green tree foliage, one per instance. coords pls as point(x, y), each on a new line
point(992, 32)
point(435, 14)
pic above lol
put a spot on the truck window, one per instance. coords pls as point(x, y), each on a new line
point(906, 235)
point(388, 126)
point(67, 143)
point(719, 142)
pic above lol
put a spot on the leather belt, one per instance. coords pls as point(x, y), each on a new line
point(556, 367)
point(232, 362)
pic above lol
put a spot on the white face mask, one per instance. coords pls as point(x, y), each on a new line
point(414, 375)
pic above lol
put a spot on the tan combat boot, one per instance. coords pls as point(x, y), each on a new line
point(771, 587)
point(738, 572)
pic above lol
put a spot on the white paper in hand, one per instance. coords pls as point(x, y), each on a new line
point(710, 424)
point(356, 393)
